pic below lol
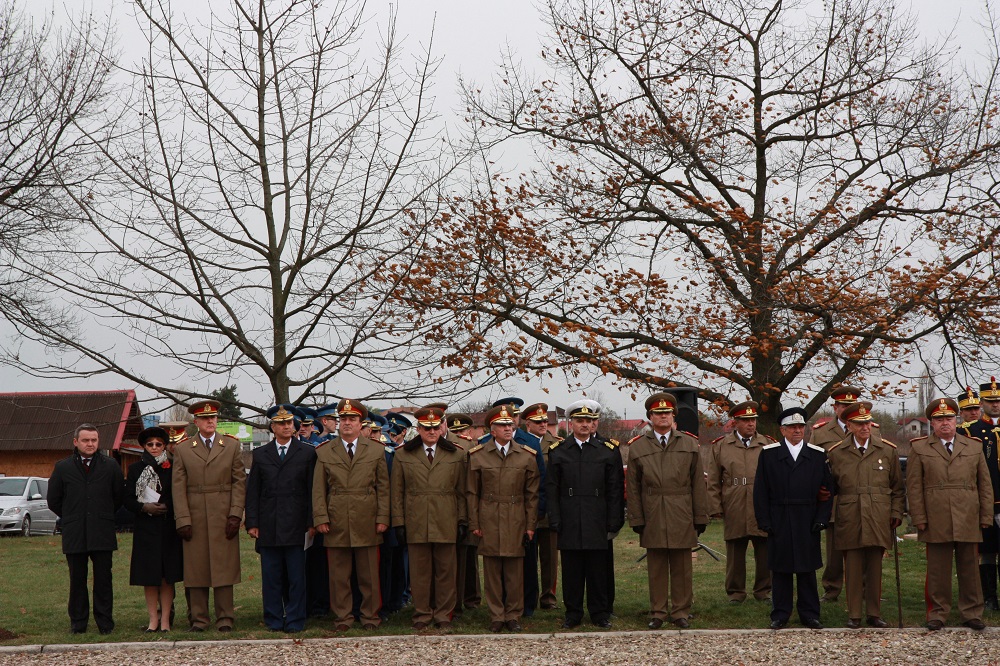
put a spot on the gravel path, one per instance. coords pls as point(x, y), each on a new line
point(743, 648)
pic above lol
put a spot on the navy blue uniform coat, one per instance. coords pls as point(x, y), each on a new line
point(786, 506)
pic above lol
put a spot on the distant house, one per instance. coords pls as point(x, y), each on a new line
point(36, 429)
point(914, 426)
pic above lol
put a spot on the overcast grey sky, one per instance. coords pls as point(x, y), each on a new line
point(469, 35)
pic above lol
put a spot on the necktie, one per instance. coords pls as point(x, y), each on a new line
point(503, 451)
point(947, 445)
point(208, 444)
point(430, 455)
point(86, 463)
point(746, 443)
point(281, 453)
point(350, 450)
point(663, 441)
point(861, 450)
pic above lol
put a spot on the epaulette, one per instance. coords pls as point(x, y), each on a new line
point(226, 435)
point(875, 425)
point(885, 441)
point(689, 434)
point(916, 439)
point(820, 424)
point(466, 437)
point(475, 448)
point(770, 446)
point(966, 424)
point(717, 439)
point(817, 448)
point(838, 444)
point(770, 439)
point(389, 449)
point(554, 444)
point(639, 436)
point(610, 443)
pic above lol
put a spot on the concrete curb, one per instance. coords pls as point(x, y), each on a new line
point(133, 646)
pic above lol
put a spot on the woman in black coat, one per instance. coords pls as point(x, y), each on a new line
point(156, 549)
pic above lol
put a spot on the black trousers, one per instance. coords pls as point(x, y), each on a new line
point(317, 579)
point(531, 577)
point(782, 591)
point(585, 569)
point(79, 601)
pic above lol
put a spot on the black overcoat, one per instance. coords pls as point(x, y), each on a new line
point(157, 553)
point(279, 494)
point(86, 501)
point(786, 505)
point(586, 493)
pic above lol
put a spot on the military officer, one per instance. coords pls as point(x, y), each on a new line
point(278, 515)
point(826, 435)
point(969, 407)
point(536, 418)
point(987, 430)
point(468, 592)
point(586, 490)
point(731, 466)
point(351, 510)
point(792, 503)
point(429, 515)
point(668, 508)
point(951, 499)
point(502, 495)
point(209, 489)
point(869, 502)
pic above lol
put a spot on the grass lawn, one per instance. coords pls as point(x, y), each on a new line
point(35, 587)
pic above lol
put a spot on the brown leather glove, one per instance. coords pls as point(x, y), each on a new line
point(185, 532)
point(232, 527)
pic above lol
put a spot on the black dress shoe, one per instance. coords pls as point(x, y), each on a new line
point(106, 630)
point(225, 629)
point(513, 625)
point(975, 624)
point(603, 624)
point(195, 629)
point(813, 624)
point(935, 625)
point(570, 624)
point(78, 630)
point(496, 627)
point(779, 624)
point(854, 623)
point(681, 623)
point(876, 622)
point(655, 623)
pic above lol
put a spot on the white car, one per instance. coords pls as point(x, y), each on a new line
point(23, 507)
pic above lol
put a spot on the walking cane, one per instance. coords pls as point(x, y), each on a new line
point(899, 594)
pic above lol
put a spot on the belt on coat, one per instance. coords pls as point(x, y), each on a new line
point(503, 499)
point(739, 481)
point(440, 493)
point(667, 491)
point(867, 490)
point(793, 502)
point(576, 492)
point(950, 486)
point(217, 488)
point(341, 491)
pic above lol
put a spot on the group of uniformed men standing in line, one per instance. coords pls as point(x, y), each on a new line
point(444, 499)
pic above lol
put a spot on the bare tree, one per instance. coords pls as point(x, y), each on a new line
point(762, 199)
point(263, 166)
point(52, 82)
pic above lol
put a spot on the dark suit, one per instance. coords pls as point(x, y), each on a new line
point(786, 506)
point(279, 505)
point(86, 499)
point(585, 503)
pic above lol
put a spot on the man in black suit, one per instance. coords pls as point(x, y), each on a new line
point(278, 515)
point(85, 490)
point(586, 494)
point(792, 503)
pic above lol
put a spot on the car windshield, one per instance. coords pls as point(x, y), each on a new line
point(12, 487)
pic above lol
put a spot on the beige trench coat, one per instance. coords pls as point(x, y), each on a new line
point(731, 468)
point(209, 487)
point(502, 496)
point(351, 495)
point(666, 491)
point(869, 493)
point(952, 495)
point(429, 499)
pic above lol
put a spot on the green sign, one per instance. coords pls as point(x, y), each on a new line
point(240, 431)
